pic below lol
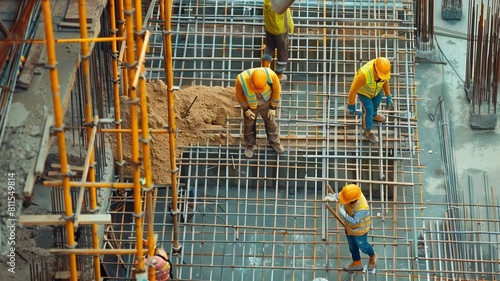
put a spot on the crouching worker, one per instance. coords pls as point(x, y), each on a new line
point(160, 262)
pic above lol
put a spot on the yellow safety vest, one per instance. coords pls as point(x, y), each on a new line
point(364, 224)
point(249, 92)
point(371, 87)
point(275, 23)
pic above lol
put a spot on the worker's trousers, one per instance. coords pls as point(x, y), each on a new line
point(250, 126)
point(357, 243)
point(280, 43)
point(370, 108)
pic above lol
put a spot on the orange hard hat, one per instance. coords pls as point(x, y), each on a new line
point(259, 78)
point(349, 193)
point(383, 68)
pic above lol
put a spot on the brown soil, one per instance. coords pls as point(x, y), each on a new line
point(210, 108)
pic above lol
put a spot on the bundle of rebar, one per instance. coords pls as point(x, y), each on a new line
point(424, 22)
point(483, 59)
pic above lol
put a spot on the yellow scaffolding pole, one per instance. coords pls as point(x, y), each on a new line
point(85, 54)
point(116, 91)
point(131, 65)
point(142, 45)
point(59, 129)
point(63, 40)
point(169, 77)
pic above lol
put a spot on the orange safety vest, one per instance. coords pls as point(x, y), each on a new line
point(246, 84)
point(364, 224)
point(371, 87)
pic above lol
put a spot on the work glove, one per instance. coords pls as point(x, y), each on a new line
point(388, 100)
point(249, 114)
point(271, 114)
point(351, 108)
point(342, 212)
point(331, 197)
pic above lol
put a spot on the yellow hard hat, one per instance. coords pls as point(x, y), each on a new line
point(383, 68)
point(259, 78)
point(349, 193)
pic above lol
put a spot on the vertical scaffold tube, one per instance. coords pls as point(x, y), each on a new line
point(116, 90)
point(167, 46)
point(142, 43)
point(89, 122)
point(121, 33)
point(59, 129)
point(134, 126)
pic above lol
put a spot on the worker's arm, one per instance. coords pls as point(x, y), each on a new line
point(357, 217)
point(386, 88)
point(359, 81)
point(240, 96)
point(276, 91)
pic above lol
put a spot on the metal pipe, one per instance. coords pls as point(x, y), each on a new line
point(59, 129)
point(116, 90)
point(90, 131)
point(63, 40)
point(142, 46)
point(136, 172)
point(167, 41)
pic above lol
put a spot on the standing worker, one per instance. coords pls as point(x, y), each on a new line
point(355, 213)
point(277, 26)
point(258, 91)
point(370, 79)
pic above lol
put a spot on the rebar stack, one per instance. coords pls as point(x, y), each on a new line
point(483, 60)
point(424, 22)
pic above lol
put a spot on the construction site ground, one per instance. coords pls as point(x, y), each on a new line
point(264, 218)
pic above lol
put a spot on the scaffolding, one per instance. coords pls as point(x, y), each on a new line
point(226, 217)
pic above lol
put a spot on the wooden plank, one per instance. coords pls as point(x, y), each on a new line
point(72, 168)
point(27, 220)
point(44, 147)
point(31, 65)
point(65, 275)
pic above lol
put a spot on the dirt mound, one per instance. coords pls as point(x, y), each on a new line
point(200, 116)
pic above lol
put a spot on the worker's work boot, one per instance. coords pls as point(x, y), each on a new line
point(372, 264)
point(370, 136)
point(282, 77)
point(278, 147)
point(249, 149)
point(354, 266)
point(265, 63)
point(379, 118)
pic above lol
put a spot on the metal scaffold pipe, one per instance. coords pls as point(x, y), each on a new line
point(116, 89)
point(89, 121)
point(172, 128)
point(134, 126)
point(59, 129)
point(142, 46)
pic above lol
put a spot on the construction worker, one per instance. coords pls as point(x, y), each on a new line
point(258, 91)
point(355, 213)
point(160, 262)
point(370, 79)
point(277, 27)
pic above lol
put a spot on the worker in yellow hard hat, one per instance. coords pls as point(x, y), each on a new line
point(277, 27)
point(370, 81)
point(258, 91)
point(355, 213)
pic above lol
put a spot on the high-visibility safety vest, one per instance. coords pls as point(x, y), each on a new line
point(364, 224)
point(275, 23)
point(270, 91)
point(371, 87)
